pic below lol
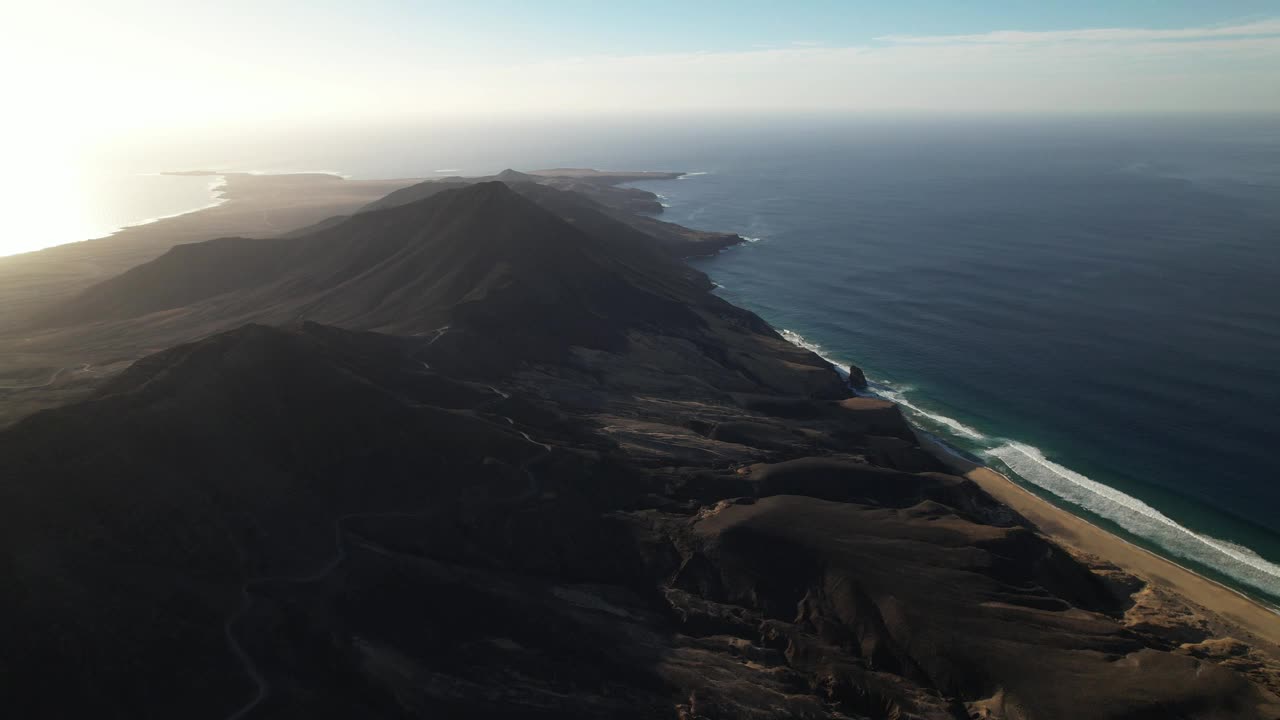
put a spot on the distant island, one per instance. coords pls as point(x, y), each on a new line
point(488, 447)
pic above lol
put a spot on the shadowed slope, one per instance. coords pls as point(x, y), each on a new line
point(600, 191)
point(990, 621)
point(311, 523)
point(576, 485)
point(496, 277)
point(483, 249)
point(197, 470)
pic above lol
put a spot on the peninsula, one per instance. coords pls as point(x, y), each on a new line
point(488, 447)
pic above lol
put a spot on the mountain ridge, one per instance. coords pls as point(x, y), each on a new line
point(497, 453)
point(308, 271)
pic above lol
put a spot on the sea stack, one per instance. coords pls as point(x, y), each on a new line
point(857, 378)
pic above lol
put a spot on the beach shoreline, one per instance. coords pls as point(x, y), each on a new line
point(978, 579)
point(1255, 615)
point(1255, 620)
point(248, 204)
point(1074, 530)
point(218, 195)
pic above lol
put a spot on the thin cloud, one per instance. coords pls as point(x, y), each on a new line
point(1224, 68)
point(1260, 28)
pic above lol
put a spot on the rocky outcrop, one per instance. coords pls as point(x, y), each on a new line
point(857, 378)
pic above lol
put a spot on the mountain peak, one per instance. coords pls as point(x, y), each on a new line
point(489, 189)
point(480, 255)
point(483, 202)
point(510, 175)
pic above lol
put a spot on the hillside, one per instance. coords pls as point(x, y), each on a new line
point(493, 452)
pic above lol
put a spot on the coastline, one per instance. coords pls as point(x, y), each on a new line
point(217, 190)
point(1065, 527)
point(1256, 616)
point(848, 518)
point(1185, 580)
point(1166, 459)
point(1257, 620)
point(249, 205)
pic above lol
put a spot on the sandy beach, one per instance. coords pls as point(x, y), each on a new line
point(1252, 622)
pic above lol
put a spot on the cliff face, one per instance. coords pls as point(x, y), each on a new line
point(564, 480)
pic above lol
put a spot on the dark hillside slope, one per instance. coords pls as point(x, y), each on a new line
point(630, 206)
point(311, 523)
point(405, 268)
point(564, 480)
point(199, 469)
point(501, 277)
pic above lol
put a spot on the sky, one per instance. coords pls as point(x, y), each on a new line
point(134, 66)
point(93, 84)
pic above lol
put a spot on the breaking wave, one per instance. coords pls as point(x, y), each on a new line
point(885, 390)
point(1238, 562)
point(795, 338)
point(898, 395)
point(1133, 515)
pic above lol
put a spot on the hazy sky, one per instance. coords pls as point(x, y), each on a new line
point(96, 87)
point(138, 65)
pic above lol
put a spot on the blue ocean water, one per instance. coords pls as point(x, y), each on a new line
point(1094, 307)
point(1090, 304)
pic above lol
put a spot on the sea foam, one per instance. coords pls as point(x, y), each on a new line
point(885, 390)
point(795, 338)
point(1139, 518)
point(1030, 464)
point(898, 395)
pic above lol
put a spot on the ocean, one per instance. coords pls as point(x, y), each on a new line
point(1092, 308)
point(1091, 305)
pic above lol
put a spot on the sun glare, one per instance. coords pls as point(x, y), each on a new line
point(47, 198)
